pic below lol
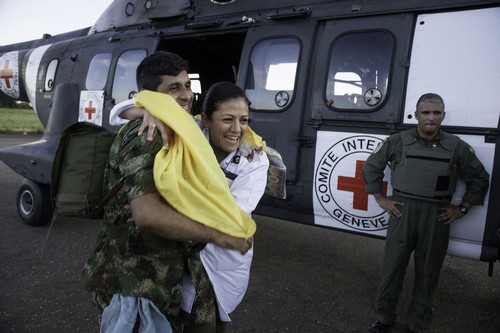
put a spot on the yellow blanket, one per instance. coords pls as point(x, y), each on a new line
point(187, 173)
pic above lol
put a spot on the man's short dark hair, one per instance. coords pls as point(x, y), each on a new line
point(157, 64)
point(430, 98)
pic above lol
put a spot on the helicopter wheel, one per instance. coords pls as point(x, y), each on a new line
point(33, 203)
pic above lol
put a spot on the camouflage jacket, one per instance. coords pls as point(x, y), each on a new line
point(127, 260)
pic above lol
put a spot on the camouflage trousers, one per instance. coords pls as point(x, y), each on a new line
point(203, 316)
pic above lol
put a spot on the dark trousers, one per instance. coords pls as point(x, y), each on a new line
point(419, 232)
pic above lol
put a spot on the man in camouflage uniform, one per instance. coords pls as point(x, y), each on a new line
point(425, 164)
point(145, 258)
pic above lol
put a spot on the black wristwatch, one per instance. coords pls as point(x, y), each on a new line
point(463, 209)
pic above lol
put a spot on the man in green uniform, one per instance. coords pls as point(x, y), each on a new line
point(425, 163)
point(137, 266)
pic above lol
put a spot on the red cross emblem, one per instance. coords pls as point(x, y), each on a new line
point(357, 186)
point(7, 74)
point(89, 110)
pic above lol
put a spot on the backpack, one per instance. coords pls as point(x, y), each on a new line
point(78, 171)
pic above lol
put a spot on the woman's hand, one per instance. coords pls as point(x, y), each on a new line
point(151, 123)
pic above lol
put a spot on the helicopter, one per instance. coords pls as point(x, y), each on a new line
point(327, 81)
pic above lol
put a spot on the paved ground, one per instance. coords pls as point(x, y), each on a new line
point(304, 279)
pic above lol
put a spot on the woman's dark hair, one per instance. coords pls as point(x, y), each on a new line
point(219, 93)
point(157, 64)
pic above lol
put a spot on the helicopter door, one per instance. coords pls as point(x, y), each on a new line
point(273, 72)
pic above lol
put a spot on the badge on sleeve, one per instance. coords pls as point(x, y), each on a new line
point(472, 151)
point(379, 146)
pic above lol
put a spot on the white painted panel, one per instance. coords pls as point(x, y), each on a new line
point(337, 180)
point(32, 73)
point(456, 55)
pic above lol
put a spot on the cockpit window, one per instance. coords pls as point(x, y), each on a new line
point(359, 70)
point(271, 73)
point(98, 71)
point(124, 83)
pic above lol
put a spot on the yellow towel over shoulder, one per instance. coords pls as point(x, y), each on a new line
point(187, 173)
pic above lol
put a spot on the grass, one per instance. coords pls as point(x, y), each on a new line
point(21, 121)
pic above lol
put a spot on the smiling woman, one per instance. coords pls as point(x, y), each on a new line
point(225, 117)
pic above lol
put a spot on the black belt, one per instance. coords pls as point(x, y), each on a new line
point(436, 197)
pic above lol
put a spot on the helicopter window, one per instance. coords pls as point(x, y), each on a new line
point(51, 74)
point(359, 70)
point(98, 71)
point(124, 83)
point(271, 73)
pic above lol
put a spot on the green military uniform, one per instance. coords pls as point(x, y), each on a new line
point(127, 260)
point(203, 316)
point(423, 175)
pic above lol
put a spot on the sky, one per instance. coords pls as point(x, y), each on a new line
point(30, 19)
